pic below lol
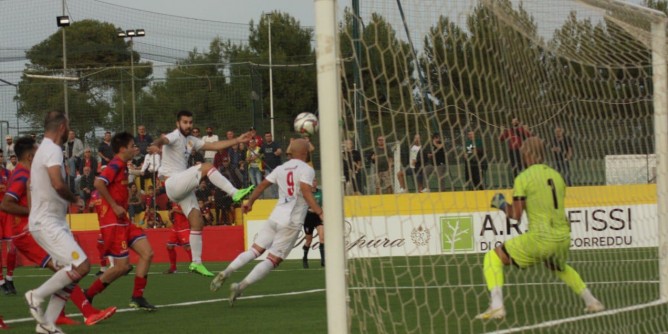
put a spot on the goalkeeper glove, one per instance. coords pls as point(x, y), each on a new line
point(499, 202)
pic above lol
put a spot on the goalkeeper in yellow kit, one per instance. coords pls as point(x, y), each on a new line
point(540, 191)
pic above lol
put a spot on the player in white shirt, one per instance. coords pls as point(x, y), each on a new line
point(280, 231)
point(48, 225)
point(181, 181)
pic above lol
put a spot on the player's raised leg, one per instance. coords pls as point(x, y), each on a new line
point(241, 260)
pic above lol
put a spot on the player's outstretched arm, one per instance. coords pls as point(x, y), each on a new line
point(310, 199)
point(223, 144)
point(248, 206)
point(157, 144)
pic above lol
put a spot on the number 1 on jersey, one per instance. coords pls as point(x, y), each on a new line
point(550, 183)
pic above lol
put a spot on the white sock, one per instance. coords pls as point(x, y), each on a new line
point(196, 246)
point(58, 281)
point(241, 260)
point(9, 278)
point(55, 306)
point(497, 298)
point(2, 281)
point(588, 297)
point(221, 182)
point(259, 272)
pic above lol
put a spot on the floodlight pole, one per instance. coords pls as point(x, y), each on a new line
point(271, 81)
point(132, 34)
point(65, 99)
point(132, 74)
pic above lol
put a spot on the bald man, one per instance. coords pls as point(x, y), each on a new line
point(280, 231)
point(540, 191)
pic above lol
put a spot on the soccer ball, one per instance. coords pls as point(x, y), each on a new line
point(306, 123)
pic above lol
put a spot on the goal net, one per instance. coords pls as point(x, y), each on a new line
point(436, 96)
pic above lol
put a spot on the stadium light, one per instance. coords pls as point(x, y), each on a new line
point(132, 33)
point(63, 21)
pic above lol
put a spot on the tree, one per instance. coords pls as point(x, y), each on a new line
point(386, 70)
point(93, 50)
point(294, 85)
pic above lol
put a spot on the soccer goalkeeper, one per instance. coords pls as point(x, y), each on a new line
point(540, 190)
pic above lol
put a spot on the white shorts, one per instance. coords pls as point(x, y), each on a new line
point(278, 240)
point(181, 188)
point(59, 242)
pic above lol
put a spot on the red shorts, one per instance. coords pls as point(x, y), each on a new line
point(27, 245)
point(5, 226)
point(118, 238)
point(179, 238)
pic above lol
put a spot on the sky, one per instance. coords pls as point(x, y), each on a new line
point(226, 10)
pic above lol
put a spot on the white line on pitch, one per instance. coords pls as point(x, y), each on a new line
point(482, 284)
point(208, 301)
point(578, 318)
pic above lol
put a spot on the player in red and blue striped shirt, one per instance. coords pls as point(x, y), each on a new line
point(118, 232)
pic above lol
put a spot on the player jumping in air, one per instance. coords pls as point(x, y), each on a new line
point(15, 204)
point(181, 181)
point(280, 231)
point(118, 232)
point(179, 237)
point(540, 191)
point(313, 222)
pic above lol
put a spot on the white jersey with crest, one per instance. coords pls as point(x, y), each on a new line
point(291, 207)
point(175, 154)
point(47, 207)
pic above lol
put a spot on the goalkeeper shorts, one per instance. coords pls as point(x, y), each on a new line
point(527, 250)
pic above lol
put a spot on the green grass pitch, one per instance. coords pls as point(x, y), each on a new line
point(387, 295)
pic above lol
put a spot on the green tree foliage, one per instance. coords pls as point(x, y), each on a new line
point(294, 85)
point(198, 84)
point(386, 68)
point(91, 45)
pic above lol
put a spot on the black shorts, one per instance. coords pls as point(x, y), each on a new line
point(311, 222)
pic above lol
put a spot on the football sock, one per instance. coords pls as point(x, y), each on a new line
point(493, 270)
point(241, 260)
point(80, 301)
point(96, 288)
point(56, 304)
point(572, 279)
point(189, 252)
point(588, 297)
point(305, 248)
point(140, 285)
point(57, 282)
point(100, 249)
point(172, 258)
point(11, 261)
point(221, 182)
point(2, 279)
point(196, 246)
point(259, 272)
point(322, 252)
